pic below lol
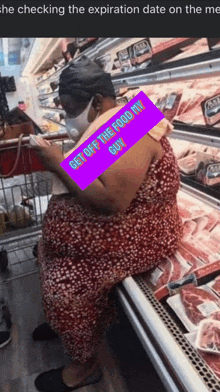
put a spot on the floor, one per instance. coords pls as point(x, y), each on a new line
point(125, 364)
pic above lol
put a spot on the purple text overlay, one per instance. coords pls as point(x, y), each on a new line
point(112, 140)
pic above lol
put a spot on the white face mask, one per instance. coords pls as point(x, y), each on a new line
point(76, 126)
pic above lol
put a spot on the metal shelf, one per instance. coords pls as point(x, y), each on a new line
point(99, 48)
point(196, 134)
point(200, 66)
point(163, 341)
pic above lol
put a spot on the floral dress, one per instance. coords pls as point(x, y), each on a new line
point(84, 254)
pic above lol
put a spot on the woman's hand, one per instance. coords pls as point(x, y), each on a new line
point(50, 154)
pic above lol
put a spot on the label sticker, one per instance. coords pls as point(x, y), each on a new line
point(155, 276)
point(208, 308)
point(85, 164)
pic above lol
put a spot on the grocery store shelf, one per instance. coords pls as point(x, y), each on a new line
point(99, 48)
point(41, 50)
point(55, 122)
point(196, 134)
point(199, 66)
point(171, 363)
point(206, 194)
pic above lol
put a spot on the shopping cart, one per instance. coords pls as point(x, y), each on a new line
point(25, 190)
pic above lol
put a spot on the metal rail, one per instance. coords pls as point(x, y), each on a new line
point(177, 362)
point(195, 67)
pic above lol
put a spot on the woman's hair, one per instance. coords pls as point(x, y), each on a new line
point(83, 78)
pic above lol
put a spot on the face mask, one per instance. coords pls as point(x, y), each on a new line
point(76, 126)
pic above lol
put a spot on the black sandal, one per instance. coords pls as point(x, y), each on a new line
point(52, 381)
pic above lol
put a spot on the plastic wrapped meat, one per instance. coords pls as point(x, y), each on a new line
point(180, 267)
point(201, 223)
point(198, 303)
point(190, 208)
point(188, 164)
point(160, 276)
point(197, 249)
point(188, 228)
point(208, 337)
point(191, 260)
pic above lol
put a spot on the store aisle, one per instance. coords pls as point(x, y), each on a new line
point(124, 363)
point(23, 359)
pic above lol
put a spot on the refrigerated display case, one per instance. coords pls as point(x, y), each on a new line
point(166, 340)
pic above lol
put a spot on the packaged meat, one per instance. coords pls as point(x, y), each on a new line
point(190, 208)
point(210, 242)
point(194, 304)
point(172, 105)
point(191, 260)
point(180, 267)
point(160, 276)
point(215, 285)
point(213, 361)
point(181, 148)
point(188, 164)
point(200, 249)
point(208, 336)
point(213, 218)
point(188, 228)
point(201, 223)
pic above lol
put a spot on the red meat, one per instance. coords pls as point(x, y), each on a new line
point(177, 269)
point(197, 249)
point(188, 228)
point(195, 263)
point(201, 223)
point(192, 297)
point(167, 267)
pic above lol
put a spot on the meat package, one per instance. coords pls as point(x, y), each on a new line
point(190, 208)
point(208, 336)
point(212, 360)
point(188, 164)
point(171, 269)
point(194, 304)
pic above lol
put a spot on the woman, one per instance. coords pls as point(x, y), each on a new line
point(122, 224)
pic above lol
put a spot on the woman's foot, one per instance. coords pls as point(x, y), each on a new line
point(52, 381)
point(73, 374)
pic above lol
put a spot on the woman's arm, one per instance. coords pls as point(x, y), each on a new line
point(114, 190)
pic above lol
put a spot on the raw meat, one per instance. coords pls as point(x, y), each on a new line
point(180, 267)
point(212, 220)
point(210, 242)
point(197, 249)
point(160, 276)
point(166, 267)
point(177, 269)
point(188, 228)
point(209, 336)
point(198, 303)
point(201, 223)
point(190, 208)
point(188, 164)
point(193, 261)
point(216, 285)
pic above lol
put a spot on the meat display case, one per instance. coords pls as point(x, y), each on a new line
point(176, 361)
